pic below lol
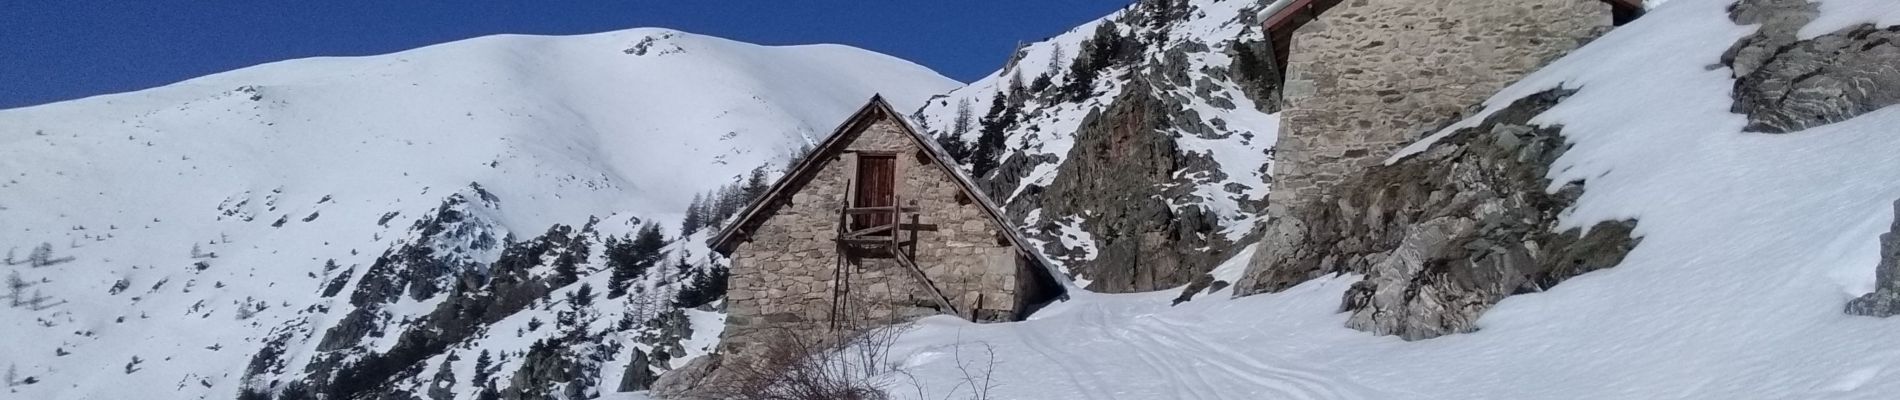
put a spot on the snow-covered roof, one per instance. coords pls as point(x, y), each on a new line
point(755, 214)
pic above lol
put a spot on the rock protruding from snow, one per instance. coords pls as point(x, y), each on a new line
point(1885, 299)
point(1120, 175)
point(1443, 236)
point(1823, 80)
point(1785, 83)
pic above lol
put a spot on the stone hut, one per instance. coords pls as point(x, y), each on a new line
point(1363, 78)
point(875, 226)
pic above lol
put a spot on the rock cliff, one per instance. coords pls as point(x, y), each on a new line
point(1134, 148)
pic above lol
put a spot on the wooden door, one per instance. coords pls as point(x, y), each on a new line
point(877, 187)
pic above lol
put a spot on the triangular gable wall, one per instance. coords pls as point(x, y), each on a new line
point(847, 132)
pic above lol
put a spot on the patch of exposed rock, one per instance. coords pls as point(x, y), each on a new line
point(1884, 301)
point(1117, 181)
point(1784, 84)
point(1444, 235)
point(686, 381)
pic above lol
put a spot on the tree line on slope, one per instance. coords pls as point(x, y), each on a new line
point(1109, 46)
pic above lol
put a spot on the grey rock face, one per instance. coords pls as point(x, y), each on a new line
point(1119, 177)
point(1786, 85)
point(1137, 179)
point(1779, 20)
point(639, 374)
point(680, 383)
point(1885, 299)
point(1444, 235)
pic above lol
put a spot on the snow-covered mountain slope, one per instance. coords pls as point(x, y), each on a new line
point(1135, 146)
point(1751, 243)
point(208, 217)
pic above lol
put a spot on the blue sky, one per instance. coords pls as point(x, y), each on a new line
point(52, 50)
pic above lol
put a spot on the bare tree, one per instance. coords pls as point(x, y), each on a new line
point(16, 288)
point(962, 125)
point(1056, 60)
point(43, 256)
point(39, 301)
point(198, 253)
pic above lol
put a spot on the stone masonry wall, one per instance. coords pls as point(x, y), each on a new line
point(783, 278)
point(1370, 76)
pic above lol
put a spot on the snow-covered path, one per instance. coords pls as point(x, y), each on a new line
point(1133, 346)
point(1136, 346)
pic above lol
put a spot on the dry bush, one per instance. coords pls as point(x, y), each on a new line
point(806, 366)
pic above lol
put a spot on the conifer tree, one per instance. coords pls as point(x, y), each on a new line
point(989, 143)
point(755, 186)
point(694, 219)
point(1018, 91)
point(631, 258)
point(1056, 57)
point(961, 126)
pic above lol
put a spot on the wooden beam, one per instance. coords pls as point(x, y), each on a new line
point(867, 231)
point(875, 210)
point(938, 297)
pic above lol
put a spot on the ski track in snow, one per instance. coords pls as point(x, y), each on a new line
point(1089, 350)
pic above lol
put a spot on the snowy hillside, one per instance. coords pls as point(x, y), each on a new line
point(189, 225)
point(1751, 243)
point(1135, 145)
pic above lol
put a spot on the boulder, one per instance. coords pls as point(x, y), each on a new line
point(1785, 84)
point(1884, 301)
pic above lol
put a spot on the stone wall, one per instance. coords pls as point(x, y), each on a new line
point(1370, 76)
point(784, 276)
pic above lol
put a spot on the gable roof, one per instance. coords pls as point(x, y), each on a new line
point(801, 173)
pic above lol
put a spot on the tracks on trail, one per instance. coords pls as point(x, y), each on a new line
point(1108, 356)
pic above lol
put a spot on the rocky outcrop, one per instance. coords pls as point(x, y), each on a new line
point(1779, 21)
point(1884, 301)
point(1443, 235)
point(682, 383)
point(667, 334)
point(1819, 81)
point(1135, 153)
point(639, 373)
point(445, 248)
point(1118, 164)
point(1786, 84)
point(447, 259)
